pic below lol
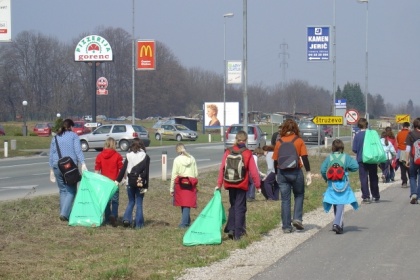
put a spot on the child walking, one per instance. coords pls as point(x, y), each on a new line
point(109, 163)
point(338, 192)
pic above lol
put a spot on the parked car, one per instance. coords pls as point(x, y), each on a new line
point(43, 129)
point(122, 133)
point(309, 132)
point(176, 132)
point(2, 131)
point(79, 127)
point(256, 137)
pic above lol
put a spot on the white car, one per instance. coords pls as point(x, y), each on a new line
point(176, 132)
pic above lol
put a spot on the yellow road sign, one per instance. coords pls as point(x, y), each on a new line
point(328, 120)
point(402, 118)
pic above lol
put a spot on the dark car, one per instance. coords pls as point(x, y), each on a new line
point(309, 132)
point(43, 129)
point(122, 133)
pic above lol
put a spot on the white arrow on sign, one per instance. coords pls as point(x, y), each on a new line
point(92, 124)
point(314, 58)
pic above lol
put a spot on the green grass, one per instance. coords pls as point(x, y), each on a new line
point(35, 244)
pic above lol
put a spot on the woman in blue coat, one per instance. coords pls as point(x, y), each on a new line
point(339, 192)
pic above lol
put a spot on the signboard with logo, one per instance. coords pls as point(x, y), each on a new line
point(102, 85)
point(146, 55)
point(318, 43)
point(93, 48)
point(5, 21)
point(341, 103)
point(234, 72)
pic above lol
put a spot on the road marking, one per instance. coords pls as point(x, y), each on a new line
point(18, 187)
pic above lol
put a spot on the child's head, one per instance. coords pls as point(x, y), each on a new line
point(241, 137)
point(362, 123)
point(259, 151)
point(337, 146)
point(110, 143)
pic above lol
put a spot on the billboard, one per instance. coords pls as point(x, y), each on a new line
point(5, 21)
point(146, 55)
point(234, 72)
point(93, 48)
point(318, 43)
point(214, 114)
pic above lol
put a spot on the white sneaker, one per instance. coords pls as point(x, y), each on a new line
point(413, 199)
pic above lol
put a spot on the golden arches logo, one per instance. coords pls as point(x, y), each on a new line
point(147, 51)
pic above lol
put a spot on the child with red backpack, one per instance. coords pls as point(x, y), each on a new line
point(335, 170)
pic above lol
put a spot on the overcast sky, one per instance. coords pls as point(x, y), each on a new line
point(193, 31)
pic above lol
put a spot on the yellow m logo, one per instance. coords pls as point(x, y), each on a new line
point(147, 50)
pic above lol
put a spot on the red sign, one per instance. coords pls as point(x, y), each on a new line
point(102, 84)
point(146, 55)
point(352, 116)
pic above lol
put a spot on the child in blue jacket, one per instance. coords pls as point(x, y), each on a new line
point(339, 193)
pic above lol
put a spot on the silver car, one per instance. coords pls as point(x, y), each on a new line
point(122, 133)
point(256, 137)
point(176, 132)
point(309, 132)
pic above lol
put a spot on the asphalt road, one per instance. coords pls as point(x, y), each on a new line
point(380, 241)
point(24, 177)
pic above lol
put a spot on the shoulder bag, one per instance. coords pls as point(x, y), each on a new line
point(68, 168)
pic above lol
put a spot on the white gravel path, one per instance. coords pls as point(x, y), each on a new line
point(242, 264)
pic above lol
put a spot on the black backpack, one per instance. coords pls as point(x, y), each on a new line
point(234, 166)
point(288, 157)
point(139, 171)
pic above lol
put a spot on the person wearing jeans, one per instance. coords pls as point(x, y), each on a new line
point(134, 198)
point(138, 160)
point(292, 179)
point(69, 144)
point(414, 169)
point(401, 136)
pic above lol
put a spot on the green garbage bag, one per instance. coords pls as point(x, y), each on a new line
point(206, 229)
point(373, 152)
point(93, 195)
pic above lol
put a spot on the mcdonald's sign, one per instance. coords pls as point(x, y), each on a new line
point(146, 55)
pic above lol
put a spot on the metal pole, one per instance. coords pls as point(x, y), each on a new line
point(366, 58)
point(224, 74)
point(244, 72)
point(367, 61)
point(133, 117)
point(334, 66)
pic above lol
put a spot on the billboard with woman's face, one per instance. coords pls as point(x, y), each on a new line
point(214, 114)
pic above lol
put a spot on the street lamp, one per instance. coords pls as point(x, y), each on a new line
point(366, 56)
point(228, 15)
point(24, 128)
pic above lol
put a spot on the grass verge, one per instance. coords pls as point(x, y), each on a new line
point(35, 244)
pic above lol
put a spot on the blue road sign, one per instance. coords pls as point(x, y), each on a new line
point(318, 43)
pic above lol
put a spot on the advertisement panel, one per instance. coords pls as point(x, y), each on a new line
point(146, 55)
point(234, 72)
point(5, 21)
point(214, 112)
point(318, 43)
point(93, 48)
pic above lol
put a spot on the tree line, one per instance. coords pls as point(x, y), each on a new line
point(41, 70)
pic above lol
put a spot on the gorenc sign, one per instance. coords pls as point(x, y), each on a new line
point(93, 48)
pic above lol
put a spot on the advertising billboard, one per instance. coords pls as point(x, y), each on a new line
point(5, 21)
point(146, 55)
point(214, 114)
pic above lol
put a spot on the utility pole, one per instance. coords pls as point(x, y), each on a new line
point(283, 64)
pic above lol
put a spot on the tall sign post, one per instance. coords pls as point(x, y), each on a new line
point(93, 50)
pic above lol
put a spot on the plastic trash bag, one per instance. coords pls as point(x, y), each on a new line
point(93, 195)
point(206, 229)
point(373, 152)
